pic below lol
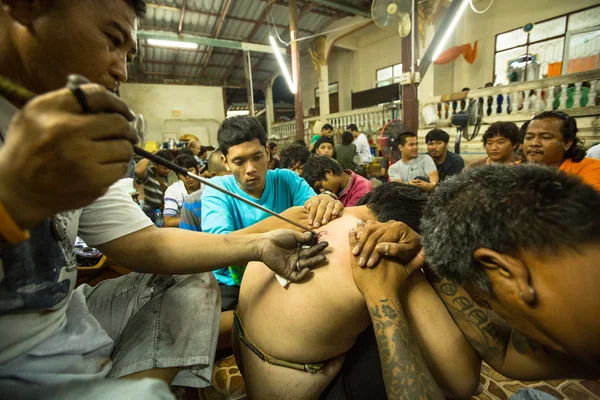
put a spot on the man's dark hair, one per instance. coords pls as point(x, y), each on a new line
point(352, 127)
point(523, 131)
point(240, 129)
point(402, 138)
point(569, 132)
point(315, 168)
point(437, 134)
point(508, 130)
point(347, 137)
point(395, 201)
point(300, 142)
point(139, 6)
point(505, 208)
point(292, 155)
point(185, 161)
point(185, 150)
point(327, 126)
point(272, 145)
point(166, 154)
point(321, 140)
point(203, 150)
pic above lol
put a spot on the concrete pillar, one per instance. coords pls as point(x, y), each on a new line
point(324, 93)
point(270, 118)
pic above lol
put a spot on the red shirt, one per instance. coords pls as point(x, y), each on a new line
point(356, 189)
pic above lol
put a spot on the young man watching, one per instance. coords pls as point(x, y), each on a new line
point(176, 194)
point(191, 212)
point(59, 341)
point(412, 168)
point(274, 150)
point(551, 139)
point(500, 140)
point(326, 130)
point(447, 163)
point(243, 142)
point(324, 174)
point(156, 179)
point(294, 157)
point(324, 146)
point(363, 150)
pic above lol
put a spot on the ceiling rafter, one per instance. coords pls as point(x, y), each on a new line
point(195, 64)
point(216, 33)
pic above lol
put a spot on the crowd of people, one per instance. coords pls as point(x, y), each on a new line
point(400, 290)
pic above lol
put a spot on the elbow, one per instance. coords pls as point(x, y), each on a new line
point(464, 387)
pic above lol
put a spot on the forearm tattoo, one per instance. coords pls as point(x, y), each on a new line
point(404, 372)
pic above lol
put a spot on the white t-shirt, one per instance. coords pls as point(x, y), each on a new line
point(37, 277)
point(363, 151)
point(594, 152)
point(175, 196)
point(422, 165)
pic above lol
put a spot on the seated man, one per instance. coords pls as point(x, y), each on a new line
point(156, 179)
point(500, 141)
point(518, 268)
point(243, 141)
point(275, 348)
point(551, 139)
point(191, 212)
point(324, 174)
point(176, 194)
point(447, 163)
point(324, 147)
point(326, 130)
point(294, 157)
point(412, 168)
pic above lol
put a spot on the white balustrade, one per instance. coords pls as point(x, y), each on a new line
point(592, 94)
point(550, 98)
point(563, 97)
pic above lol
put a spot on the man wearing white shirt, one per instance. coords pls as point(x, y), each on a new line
point(363, 150)
point(176, 194)
point(594, 152)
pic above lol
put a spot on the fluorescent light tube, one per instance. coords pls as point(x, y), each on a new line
point(450, 29)
point(282, 65)
point(173, 43)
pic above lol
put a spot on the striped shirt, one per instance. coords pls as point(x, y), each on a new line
point(191, 212)
point(153, 192)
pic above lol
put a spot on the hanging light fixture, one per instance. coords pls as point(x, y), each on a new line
point(282, 65)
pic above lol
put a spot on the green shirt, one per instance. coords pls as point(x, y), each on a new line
point(314, 138)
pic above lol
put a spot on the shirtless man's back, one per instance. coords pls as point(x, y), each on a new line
point(313, 322)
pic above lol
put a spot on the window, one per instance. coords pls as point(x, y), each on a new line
point(333, 88)
point(388, 75)
point(565, 44)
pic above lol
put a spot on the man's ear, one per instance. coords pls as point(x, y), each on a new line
point(510, 277)
point(22, 11)
point(224, 159)
point(568, 144)
point(211, 174)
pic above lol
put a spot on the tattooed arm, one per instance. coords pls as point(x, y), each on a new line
point(404, 372)
point(504, 349)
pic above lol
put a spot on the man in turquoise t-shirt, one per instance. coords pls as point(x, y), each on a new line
point(243, 142)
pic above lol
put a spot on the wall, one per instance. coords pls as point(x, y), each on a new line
point(504, 15)
point(201, 109)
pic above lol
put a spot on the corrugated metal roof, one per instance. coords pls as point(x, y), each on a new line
point(246, 20)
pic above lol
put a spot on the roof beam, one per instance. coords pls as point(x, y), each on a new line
point(335, 5)
point(193, 64)
point(207, 41)
point(216, 32)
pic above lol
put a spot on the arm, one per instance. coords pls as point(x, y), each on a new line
point(434, 177)
point(394, 174)
point(404, 372)
point(140, 169)
point(504, 349)
point(172, 222)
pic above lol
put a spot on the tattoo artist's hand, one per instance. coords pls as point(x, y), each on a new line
point(393, 239)
point(298, 214)
point(322, 209)
point(384, 281)
point(55, 158)
point(280, 250)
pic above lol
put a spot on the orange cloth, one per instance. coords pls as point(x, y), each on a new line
point(587, 169)
point(583, 64)
point(554, 69)
point(468, 52)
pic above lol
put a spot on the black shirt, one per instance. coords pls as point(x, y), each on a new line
point(452, 165)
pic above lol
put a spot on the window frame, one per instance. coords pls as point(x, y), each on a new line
point(393, 79)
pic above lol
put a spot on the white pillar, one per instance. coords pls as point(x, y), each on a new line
point(324, 93)
point(270, 110)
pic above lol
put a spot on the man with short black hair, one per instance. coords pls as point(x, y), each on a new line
point(324, 174)
point(324, 146)
point(551, 139)
point(176, 194)
point(522, 242)
point(500, 141)
point(273, 148)
point(447, 163)
point(363, 150)
point(294, 157)
point(156, 179)
point(326, 130)
point(412, 168)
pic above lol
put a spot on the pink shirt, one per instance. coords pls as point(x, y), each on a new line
point(355, 190)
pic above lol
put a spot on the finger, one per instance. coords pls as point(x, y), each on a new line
point(311, 262)
point(402, 252)
point(352, 238)
point(328, 215)
point(416, 263)
point(298, 276)
point(321, 209)
point(108, 127)
point(313, 250)
point(312, 205)
point(99, 100)
point(369, 247)
point(112, 151)
point(337, 209)
point(303, 238)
